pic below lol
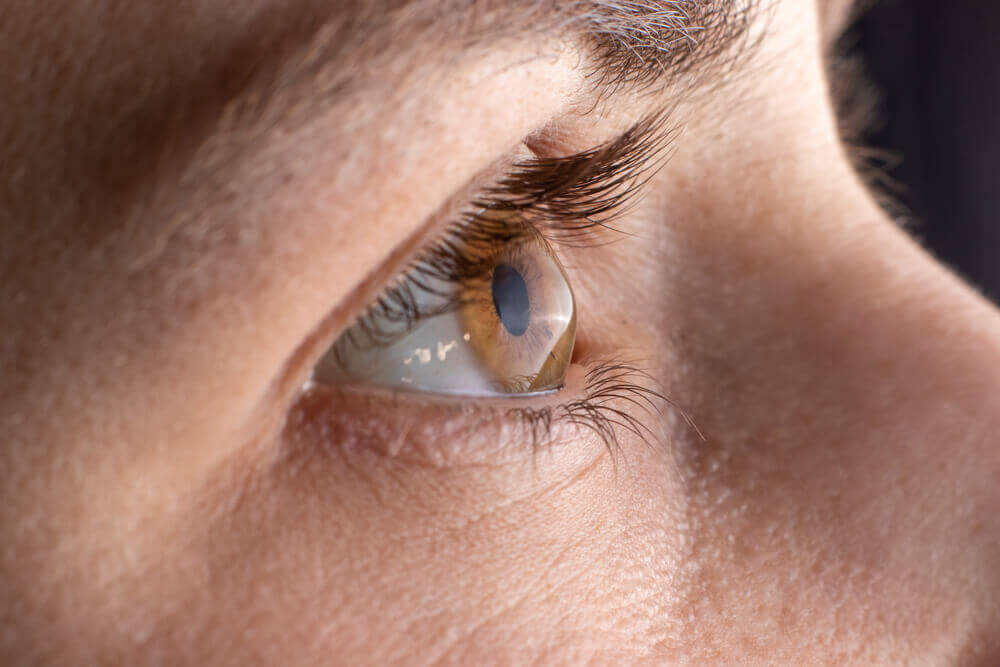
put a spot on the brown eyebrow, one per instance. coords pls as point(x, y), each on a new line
point(643, 43)
point(632, 43)
point(635, 42)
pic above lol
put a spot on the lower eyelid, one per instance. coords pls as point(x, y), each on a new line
point(599, 405)
point(407, 423)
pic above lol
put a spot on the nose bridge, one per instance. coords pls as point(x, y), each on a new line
point(850, 409)
point(848, 387)
point(921, 352)
point(932, 347)
point(954, 335)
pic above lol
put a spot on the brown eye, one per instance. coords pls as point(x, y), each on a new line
point(521, 318)
point(507, 326)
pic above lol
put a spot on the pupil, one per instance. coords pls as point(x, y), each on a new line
point(510, 298)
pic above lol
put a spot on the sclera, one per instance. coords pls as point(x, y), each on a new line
point(465, 349)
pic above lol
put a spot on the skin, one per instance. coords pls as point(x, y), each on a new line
point(822, 486)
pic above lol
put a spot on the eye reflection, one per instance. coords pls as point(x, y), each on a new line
point(506, 328)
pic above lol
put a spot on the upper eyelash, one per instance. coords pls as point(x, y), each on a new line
point(563, 200)
point(571, 195)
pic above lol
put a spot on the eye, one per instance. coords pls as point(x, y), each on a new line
point(487, 312)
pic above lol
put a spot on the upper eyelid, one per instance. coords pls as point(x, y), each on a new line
point(562, 199)
point(569, 194)
point(286, 68)
point(566, 197)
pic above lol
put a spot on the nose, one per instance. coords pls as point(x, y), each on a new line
point(848, 390)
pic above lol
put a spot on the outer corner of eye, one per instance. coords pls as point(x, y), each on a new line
point(500, 322)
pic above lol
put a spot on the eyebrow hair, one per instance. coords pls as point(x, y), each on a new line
point(639, 42)
point(629, 45)
point(642, 43)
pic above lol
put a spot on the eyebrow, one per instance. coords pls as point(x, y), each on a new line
point(640, 42)
point(643, 43)
point(630, 45)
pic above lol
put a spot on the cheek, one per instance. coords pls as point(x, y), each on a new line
point(336, 548)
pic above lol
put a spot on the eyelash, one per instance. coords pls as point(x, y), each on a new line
point(566, 202)
point(608, 384)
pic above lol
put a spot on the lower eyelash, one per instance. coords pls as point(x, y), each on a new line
point(611, 386)
point(618, 400)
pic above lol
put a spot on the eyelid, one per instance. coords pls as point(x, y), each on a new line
point(297, 369)
point(649, 137)
point(568, 200)
point(607, 399)
point(635, 154)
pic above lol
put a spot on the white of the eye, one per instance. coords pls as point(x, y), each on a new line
point(436, 356)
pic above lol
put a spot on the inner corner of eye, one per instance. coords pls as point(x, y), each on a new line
point(508, 331)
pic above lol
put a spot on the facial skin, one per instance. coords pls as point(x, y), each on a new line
point(188, 226)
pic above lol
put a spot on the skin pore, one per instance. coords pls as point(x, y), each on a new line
point(195, 206)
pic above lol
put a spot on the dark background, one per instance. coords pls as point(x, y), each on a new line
point(936, 64)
